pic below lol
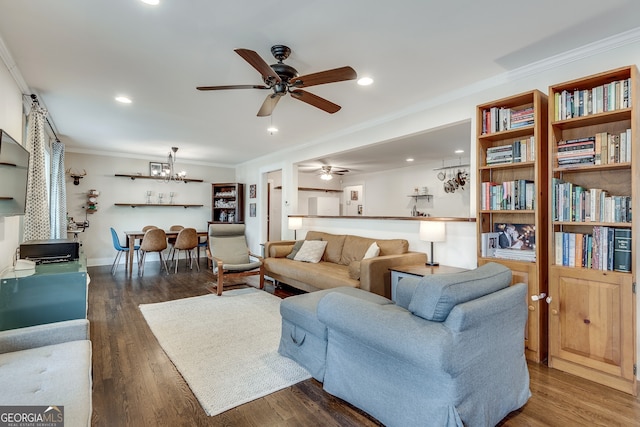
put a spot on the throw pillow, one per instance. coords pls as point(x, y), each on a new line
point(311, 251)
point(296, 247)
point(354, 270)
point(372, 252)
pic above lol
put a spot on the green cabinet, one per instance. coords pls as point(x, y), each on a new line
point(55, 292)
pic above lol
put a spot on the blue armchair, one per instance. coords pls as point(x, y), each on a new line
point(450, 352)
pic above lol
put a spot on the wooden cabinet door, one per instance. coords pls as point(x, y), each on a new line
point(591, 325)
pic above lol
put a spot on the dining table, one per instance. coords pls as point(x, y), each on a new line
point(133, 236)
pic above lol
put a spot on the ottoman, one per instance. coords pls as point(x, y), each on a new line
point(304, 337)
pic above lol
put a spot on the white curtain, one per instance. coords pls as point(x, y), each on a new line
point(36, 218)
point(58, 193)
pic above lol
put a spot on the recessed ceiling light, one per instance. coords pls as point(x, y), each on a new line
point(151, 2)
point(123, 99)
point(459, 151)
point(365, 81)
point(410, 159)
point(272, 129)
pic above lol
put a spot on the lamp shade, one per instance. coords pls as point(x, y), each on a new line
point(431, 231)
point(295, 223)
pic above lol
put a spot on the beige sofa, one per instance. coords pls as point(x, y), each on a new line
point(341, 264)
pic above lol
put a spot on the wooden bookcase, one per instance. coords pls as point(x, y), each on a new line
point(592, 309)
point(227, 203)
point(529, 131)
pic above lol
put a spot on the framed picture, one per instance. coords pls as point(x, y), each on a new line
point(166, 168)
point(252, 191)
point(252, 209)
point(516, 236)
point(354, 195)
point(155, 168)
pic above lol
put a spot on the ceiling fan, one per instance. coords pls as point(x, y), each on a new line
point(327, 172)
point(281, 79)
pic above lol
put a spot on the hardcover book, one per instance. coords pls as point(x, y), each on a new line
point(622, 249)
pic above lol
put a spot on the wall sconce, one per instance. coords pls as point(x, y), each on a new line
point(432, 231)
point(295, 223)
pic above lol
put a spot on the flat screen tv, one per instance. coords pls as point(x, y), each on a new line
point(14, 171)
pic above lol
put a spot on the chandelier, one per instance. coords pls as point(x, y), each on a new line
point(169, 172)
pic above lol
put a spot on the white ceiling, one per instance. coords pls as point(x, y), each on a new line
point(77, 55)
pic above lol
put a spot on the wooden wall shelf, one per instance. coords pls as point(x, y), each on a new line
point(157, 178)
point(162, 205)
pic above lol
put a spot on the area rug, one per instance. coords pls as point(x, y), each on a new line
point(225, 347)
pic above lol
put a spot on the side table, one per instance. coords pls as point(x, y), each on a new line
point(418, 270)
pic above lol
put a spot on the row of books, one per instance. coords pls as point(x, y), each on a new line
point(508, 195)
point(578, 103)
point(573, 203)
point(607, 248)
point(497, 119)
point(601, 149)
point(523, 150)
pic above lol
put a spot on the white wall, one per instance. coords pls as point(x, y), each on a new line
point(387, 193)
point(11, 120)
point(96, 241)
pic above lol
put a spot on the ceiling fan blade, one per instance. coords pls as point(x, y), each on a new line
point(329, 76)
point(268, 105)
point(258, 63)
point(316, 101)
point(231, 87)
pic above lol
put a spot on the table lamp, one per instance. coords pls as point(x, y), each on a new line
point(295, 223)
point(432, 231)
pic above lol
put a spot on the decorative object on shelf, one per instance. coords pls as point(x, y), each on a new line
point(160, 196)
point(92, 201)
point(295, 223)
point(252, 209)
point(432, 231)
point(171, 196)
point(76, 175)
point(252, 191)
point(148, 197)
point(155, 169)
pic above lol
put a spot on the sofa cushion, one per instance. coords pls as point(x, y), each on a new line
point(296, 247)
point(372, 252)
point(322, 275)
point(354, 248)
point(393, 246)
point(354, 270)
point(437, 294)
point(58, 374)
point(311, 251)
point(335, 242)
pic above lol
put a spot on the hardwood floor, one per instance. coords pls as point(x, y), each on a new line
point(135, 383)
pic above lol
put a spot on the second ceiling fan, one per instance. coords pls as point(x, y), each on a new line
point(281, 79)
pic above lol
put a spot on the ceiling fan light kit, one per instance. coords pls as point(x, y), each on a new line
point(282, 78)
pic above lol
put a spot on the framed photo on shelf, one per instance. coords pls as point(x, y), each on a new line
point(155, 168)
point(252, 191)
point(252, 209)
point(516, 236)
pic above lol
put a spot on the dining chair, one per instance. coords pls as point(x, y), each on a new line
point(230, 256)
point(187, 241)
point(121, 249)
point(154, 240)
point(172, 240)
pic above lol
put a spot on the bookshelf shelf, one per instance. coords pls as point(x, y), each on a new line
point(499, 208)
point(592, 330)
